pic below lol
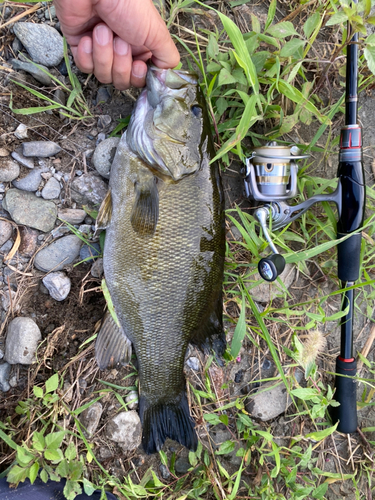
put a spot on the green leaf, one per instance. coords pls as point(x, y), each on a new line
point(212, 47)
point(221, 105)
point(320, 491)
point(296, 96)
point(43, 475)
point(311, 23)
point(108, 299)
point(38, 392)
point(369, 54)
point(225, 77)
point(52, 383)
point(8, 440)
point(271, 14)
point(212, 418)
point(54, 440)
point(75, 470)
point(291, 47)
point(39, 443)
point(305, 394)
point(88, 487)
point(240, 331)
point(71, 452)
point(53, 455)
point(224, 419)
point(226, 447)
point(33, 472)
point(319, 435)
point(17, 474)
point(282, 30)
point(338, 18)
point(266, 435)
point(24, 457)
point(72, 489)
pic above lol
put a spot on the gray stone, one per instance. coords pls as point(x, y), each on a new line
point(9, 170)
point(60, 231)
point(16, 45)
point(90, 418)
point(13, 381)
point(33, 70)
point(125, 428)
point(193, 363)
point(43, 43)
point(29, 238)
point(102, 96)
point(26, 209)
point(104, 154)
point(104, 121)
point(59, 96)
point(58, 284)
point(73, 216)
point(21, 131)
point(43, 149)
point(26, 162)
point(8, 300)
point(97, 269)
point(165, 474)
point(5, 231)
point(182, 465)
point(89, 252)
point(58, 254)
point(88, 189)
point(132, 400)
point(235, 233)
point(6, 247)
point(265, 291)
point(22, 341)
point(4, 377)
point(31, 182)
point(51, 190)
point(50, 13)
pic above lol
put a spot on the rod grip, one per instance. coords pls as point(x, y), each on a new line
point(349, 257)
point(346, 395)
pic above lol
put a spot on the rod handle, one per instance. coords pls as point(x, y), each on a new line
point(346, 395)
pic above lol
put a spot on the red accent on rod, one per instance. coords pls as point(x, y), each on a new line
point(346, 360)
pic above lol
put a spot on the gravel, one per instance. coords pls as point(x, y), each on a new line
point(90, 418)
point(58, 284)
point(4, 377)
point(26, 162)
point(5, 231)
point(9, 170)
point(22, 340)
point(73, 216)
point(58, 254)
point(104, 154)
point(42, 149)
point(21, 131)
point(32, 180)
point(125, 428)
point(43, 43)
point(88, 188)
point(51, 190)
point(34, 71)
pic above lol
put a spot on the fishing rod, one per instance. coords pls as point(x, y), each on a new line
point(270, 176)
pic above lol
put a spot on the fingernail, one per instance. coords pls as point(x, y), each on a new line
point(87, 45)
point(121, 47)
point(102, 34)
point(139, 72)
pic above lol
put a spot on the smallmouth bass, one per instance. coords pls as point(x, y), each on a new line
point(164, 250)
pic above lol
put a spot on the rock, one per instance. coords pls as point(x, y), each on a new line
point(104, 121)
point(22, 340)
point(26, 162)
point(8, 300)
point(27, 209)
point(21, 131)
point(4, 377)
point(193, 363)
point(16, 45)
point(265, 291)
point(165, 474)
point(182, 465)
point(67, 392)
point(125, 428)
point(9, 170)
point(4, 152)
point(31, 182)
point(90, 252)
point(50, 13)
point(272, 400)
point(43, 43)
point(34, 71)
point(132, 400)
point(104, 154)
point(90, 418)
point(58, 284)
point(51, 190)
point(29, 240)
point(13, 381)
point(5, 231)
point(72, 215)
point(58, 254)
point(43, 149)
point(88, 189)
point(97, 269)
point(6, 247)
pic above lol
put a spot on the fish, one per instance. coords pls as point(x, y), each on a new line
point(164, 251)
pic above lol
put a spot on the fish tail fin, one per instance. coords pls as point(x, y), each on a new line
point(162, 420)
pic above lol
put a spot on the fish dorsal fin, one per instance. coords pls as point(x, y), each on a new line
point(105, 212)
point(112, 345)
point(145, 213)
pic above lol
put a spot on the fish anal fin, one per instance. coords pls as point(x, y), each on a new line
point(105, 212)
point(145, 213)
point(112, 346)
point(162, 420)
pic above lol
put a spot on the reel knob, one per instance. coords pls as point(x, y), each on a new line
point(270, 267)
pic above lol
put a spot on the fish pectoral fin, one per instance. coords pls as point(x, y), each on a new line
point(145, 213)
point(105, 212)
point(112, 346)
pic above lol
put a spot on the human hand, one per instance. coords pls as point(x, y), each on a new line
point(114, 38)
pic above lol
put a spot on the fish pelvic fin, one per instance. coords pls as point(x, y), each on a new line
point(145, 213)
point(162, 420)
point(112, 346)
point(105, 212)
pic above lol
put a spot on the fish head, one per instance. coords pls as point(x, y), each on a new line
point(166, 126)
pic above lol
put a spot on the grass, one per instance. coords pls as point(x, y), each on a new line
point(262, 83)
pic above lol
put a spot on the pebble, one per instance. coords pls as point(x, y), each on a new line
point(60, 231)
point(29, 239)
point(4, 377)
point(265, 291)
point(102, 96)
point(104, 154)
point(43, 43)
point(21, 131)
point(104, 121)
point(7, 12)
point(59, 96)
point(16, 45)
point(50, 13)
point(26, 209)
point(100, 138)
point(193, 363)
point(26, 162)
point(88, 189)
point(5, 231)
point(165, 474)
point(182, 465)
point(132, 400)
point(52, 189)
point(9, 170)
point(6, 301)
point(6, 247)
point(90, 418)
point(73, 216)
point(90, 252)
point(13, 381)
point(43, 149)
point(97, 269)
point(58, 284)
point(58, 254)
point(31, 182)
point(33, 70)
point(125, 428)
point(22, 340)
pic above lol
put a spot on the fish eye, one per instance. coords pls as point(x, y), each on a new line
point(197, 111)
